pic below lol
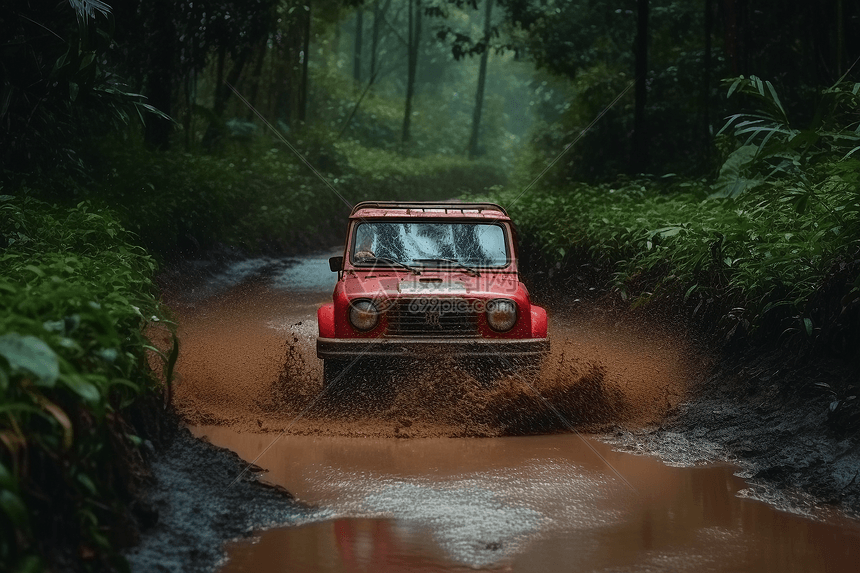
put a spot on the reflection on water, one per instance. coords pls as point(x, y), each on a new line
point(349, 545)
point(544, 503)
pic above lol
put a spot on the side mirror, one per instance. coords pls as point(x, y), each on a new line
point(335, 264)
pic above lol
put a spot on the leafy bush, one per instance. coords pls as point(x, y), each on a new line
point(261, 196)
point(761, 248)
point(76, 295)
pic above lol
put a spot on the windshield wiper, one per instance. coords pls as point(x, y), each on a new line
point(455, 262)
point(411, 269)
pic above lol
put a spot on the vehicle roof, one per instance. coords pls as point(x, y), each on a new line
point(427, 209)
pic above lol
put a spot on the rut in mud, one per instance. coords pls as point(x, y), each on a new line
point(248, 361)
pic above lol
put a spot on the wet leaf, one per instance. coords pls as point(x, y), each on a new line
point(14, 508)
point(7, 481)
point(82, 388)
point(807, 323)
point(88, 484)
point(32, 355)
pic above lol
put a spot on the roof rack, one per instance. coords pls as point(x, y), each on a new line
point(447, 205)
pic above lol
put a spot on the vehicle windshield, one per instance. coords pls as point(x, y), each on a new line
point(430, 243)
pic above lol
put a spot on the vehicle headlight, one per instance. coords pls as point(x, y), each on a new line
point(363, 314)
point(501, 314)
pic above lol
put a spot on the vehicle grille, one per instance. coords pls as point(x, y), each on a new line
point(434, 317)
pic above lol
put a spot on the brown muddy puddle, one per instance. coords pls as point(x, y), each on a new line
point(410, 469)
point(537, 503)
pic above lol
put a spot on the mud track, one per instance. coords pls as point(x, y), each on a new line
point(248, 362)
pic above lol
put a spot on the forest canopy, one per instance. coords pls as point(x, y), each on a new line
point(510, 78)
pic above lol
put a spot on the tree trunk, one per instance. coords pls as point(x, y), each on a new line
point(482, 78)
point(303, 96)
point(257, 78)
point(286, 72)
point(232, 80)
point(215, 131)
point(840, 39)
point(639, 150)
point(730, 27)
point(190, 102)
point(746, 32)
point(219, 78)
point(160, 81)
point(706, 79)
point(412, 63)
point(356, 62)
point(378, 15)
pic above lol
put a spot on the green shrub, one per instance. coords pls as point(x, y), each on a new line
point(260, 196)
point(76, 295)
point(759, 247)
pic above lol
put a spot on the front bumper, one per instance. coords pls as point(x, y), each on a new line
point(349, 348)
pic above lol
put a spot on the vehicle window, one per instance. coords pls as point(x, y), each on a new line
point(422, 243)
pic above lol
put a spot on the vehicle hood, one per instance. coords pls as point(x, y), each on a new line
point(432, 284)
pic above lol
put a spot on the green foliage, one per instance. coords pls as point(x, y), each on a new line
point(774, 151)
point(755, 254)
point(441, 118)
point(568, 110)
point(76, 296)
point(57, 91)
point(260, 196)
point(587, 46)
point(758, 249)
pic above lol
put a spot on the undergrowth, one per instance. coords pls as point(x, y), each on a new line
point(75, 297)
point(262, 197)
point(761, 243)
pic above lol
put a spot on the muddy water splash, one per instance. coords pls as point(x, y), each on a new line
point(249, 362)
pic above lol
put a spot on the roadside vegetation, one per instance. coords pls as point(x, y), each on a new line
point(77, 296)
point(90, 208)
point(260, 197)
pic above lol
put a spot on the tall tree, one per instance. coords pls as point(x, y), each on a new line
point(482, 78)
point(162, 44)
point(706, 77)
point(412, 45)
point(375, 33)
point(162, 78)
point(840, 38)
point(356, 56)
point(306, 47)
point(58, 84)
point(639, 151)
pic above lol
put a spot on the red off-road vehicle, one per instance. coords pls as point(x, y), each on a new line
point(419, 280)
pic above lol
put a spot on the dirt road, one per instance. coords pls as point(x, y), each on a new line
point(463, 492)
point(249, 362)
